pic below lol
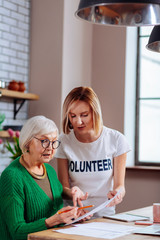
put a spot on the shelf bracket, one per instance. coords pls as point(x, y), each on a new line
point(16, 109)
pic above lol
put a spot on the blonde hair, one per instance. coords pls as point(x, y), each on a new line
point(38, 125)
point(85, 94)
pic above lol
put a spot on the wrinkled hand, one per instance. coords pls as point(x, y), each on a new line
point(64, 215)
point(81, 213)
point(78, 196)
point(117, 200)
point(68, 214)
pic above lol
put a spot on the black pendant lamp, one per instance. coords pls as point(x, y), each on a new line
point(120, 12)
point(154, 40)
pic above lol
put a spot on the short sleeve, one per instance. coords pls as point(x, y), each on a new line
point(122, 145)
point(60, 150)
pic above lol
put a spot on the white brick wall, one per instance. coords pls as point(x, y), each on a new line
point(14, 58)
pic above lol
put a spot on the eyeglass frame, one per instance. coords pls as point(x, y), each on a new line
point(49, 142)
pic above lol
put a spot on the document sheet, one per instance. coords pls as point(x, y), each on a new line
point(99, 230)
point(101, 206)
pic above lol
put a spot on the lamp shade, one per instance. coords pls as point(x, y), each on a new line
point(120, 12)
point(154, 40)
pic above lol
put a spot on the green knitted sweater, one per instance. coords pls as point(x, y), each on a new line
point(24, 206)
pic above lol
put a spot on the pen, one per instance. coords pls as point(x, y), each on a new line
point(78, 209)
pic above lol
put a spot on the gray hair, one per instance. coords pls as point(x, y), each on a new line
point(38, 125)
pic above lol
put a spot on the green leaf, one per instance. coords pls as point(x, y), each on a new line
point(15, 150)
point(8, 146)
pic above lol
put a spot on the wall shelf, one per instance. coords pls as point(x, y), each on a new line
point(18, 97)
point(4, 134)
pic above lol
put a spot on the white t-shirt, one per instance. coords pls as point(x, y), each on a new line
point(91, 164)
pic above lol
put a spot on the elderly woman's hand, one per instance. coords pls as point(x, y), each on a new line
point(81, 212)
point(78, 196)
point(67, 214)
point(64, 215)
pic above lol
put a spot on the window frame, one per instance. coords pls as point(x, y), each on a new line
point(137, 105)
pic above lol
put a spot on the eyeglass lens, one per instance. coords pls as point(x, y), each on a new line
point(46, 143)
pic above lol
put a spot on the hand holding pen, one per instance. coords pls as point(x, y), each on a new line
point(59, 212)
point(80, 212)
point(68, 214)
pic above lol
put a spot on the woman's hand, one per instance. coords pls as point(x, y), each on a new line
point(78, 196)
point(64, 215)
point(117, 199)
point(81, 213)
point(67, 214)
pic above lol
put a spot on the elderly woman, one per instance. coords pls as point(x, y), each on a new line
point(30, 193)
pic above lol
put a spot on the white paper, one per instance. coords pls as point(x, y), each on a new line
point(99, 230)
point(100, 207)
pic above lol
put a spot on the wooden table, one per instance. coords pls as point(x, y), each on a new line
point(52, 235)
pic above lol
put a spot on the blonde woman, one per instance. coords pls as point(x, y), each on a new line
point(91, 156)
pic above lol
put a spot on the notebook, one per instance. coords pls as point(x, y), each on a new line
point(150, 230)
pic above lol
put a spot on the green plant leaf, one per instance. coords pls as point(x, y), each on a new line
point(15, 150)
point(8, 146)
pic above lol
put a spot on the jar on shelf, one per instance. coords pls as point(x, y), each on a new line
point(22, 87)
point(13, 85)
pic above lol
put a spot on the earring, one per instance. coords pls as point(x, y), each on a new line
point(26, 150)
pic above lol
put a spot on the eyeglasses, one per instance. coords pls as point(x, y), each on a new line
point(46, 143)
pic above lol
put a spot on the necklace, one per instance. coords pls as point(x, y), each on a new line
point(32, 173)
